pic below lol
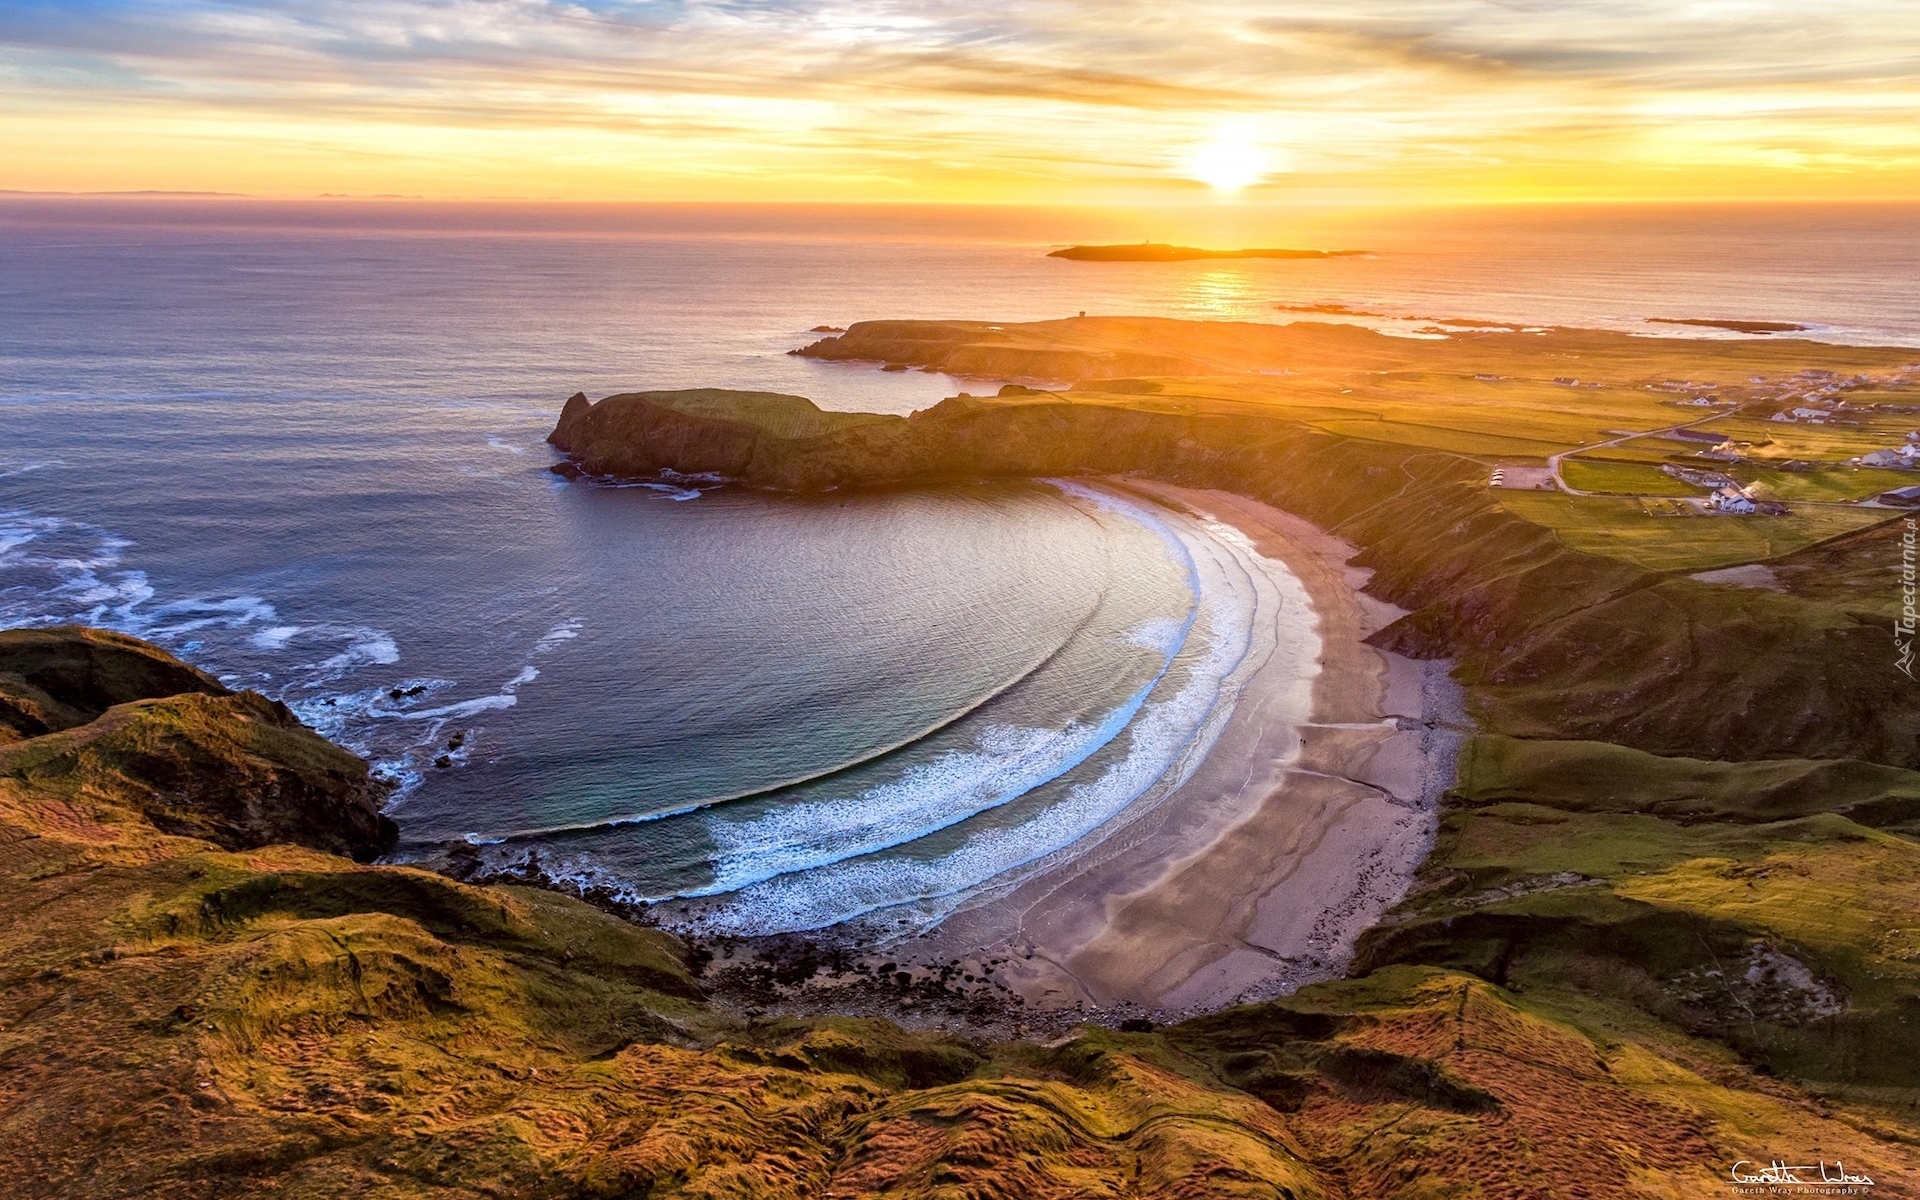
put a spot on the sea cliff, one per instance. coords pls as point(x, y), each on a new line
point(1661, 668)
point(93, 713)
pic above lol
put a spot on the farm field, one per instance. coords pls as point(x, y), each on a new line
point(1665, 536)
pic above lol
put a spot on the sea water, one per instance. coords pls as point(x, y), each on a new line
point(303, 446)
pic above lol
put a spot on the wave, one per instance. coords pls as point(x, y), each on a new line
point(57, 571)
point(674, 485)
point(814, 863)
point(1165, 743)
point(873, 758)
point(1006, 763)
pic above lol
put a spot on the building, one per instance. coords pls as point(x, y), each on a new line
point(1730, 500)
point(1906, 497)
point(1886, 458)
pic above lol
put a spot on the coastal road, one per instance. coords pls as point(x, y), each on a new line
point(1553, 460)
point(1560, 481)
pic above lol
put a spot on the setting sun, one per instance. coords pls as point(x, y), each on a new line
point(1228, 163)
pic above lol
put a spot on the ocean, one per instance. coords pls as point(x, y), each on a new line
point(302, 445)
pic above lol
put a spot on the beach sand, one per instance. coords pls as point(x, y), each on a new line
point(1257, 875)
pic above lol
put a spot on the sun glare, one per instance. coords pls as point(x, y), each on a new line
point(1228, 163)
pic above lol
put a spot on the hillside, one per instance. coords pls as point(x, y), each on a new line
point(188, 1016)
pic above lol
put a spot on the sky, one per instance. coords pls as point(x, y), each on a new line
point(1015, 101)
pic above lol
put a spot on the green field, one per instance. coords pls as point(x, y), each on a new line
point(1666, 536)
point(1833, 484)
point(1760, 438)
point(1626, 479)
point(1655, 450)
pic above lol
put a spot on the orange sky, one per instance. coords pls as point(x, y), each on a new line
point(1363, 101)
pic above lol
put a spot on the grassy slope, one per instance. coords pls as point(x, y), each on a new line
point(182, 1020)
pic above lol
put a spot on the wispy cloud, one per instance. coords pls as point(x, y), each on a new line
point(939, 96)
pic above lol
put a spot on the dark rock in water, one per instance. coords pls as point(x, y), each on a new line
point(457, 740)
point(127, 724)
point(443, 762)
point(567, 470)
point(826, 329)
point(894, 367)
point(417, 689)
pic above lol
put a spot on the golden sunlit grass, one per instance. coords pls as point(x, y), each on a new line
point(1673, 536)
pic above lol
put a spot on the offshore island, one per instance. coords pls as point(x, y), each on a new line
point(1601, 817)
point(1162, 252)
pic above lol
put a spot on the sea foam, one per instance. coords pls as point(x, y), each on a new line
point(1165, 736)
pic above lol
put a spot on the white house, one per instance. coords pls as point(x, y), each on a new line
point(1730, 500)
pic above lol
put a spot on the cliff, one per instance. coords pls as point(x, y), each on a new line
point(1665, 665)
point(1690, 818)
point(104, 718)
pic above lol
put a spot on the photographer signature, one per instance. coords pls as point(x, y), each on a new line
point(1747, 1171)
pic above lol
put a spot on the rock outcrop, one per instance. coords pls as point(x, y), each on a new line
point(108, 718)
point(55, 679)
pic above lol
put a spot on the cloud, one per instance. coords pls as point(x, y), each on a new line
point(1067, 88)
